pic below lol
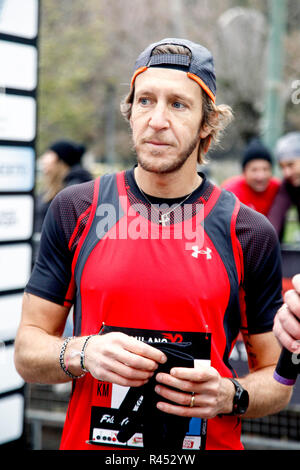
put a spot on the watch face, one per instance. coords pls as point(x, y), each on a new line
point(241, 399)
point(243, 402)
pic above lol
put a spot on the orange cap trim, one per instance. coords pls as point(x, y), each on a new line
point(136, 73)
point(192, 76)
point(202, 84)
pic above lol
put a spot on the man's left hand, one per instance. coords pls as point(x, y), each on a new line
point(212, 393)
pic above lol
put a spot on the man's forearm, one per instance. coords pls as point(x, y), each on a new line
point(37, 356)
point(266, 395)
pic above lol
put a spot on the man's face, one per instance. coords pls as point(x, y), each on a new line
point(165, 119)
point(257, 174)
point(291, 170)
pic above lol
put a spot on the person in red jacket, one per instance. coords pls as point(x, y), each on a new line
point(255, 187)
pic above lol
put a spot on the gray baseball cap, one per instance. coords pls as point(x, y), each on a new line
point(199, 67)
point(288, 146)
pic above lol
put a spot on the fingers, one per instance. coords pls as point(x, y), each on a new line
point(287, 321)
point(204, 380)
point(287, 329)
point(121, 359)
point(205, 384)
point(131, 352)
point(125, 370)
point(296, 283)
point(143, 350)
point(108, 375)
point(292, 300)
point(204, 402)
point(200, 411)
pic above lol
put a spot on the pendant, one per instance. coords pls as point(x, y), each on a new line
point(164, 219)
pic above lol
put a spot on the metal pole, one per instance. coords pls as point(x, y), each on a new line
point(274, 107)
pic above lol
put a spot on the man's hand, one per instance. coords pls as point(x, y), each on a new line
point(287, 321)
point(212, 393)
point(118, 358)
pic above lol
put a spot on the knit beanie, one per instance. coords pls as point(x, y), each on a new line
point(70, 152)
point(256, 150)
point(288, 146)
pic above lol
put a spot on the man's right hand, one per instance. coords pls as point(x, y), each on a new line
point(115, 357)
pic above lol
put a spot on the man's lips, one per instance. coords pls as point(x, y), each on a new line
point(157, 143)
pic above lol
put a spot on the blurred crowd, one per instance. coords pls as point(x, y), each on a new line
point(258, 188)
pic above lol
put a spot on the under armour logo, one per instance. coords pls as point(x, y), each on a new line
point(197, 252)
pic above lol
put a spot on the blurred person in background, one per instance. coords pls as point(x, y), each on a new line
point(255, 187)
point(288, 156)
point(61, 167)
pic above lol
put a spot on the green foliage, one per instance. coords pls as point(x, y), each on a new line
point(71, 49)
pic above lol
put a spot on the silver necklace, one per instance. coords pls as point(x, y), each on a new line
point(164, 218)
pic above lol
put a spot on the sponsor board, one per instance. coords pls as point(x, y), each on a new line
point(19, 18)
point(20, 73)
point(17, 118)
point(16, 217)
point(15, 262)
point(16, 168)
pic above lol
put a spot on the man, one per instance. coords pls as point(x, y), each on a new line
point(255, 187)
point(160, 263)
point(288, 156)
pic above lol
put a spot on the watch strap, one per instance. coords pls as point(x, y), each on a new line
point(237, 407)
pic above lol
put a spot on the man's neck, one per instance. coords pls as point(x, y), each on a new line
point(171, 185)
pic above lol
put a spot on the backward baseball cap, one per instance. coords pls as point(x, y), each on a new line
point(199, 67)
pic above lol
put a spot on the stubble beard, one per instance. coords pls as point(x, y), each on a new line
point(160, 166)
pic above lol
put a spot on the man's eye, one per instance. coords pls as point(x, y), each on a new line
point(144, 101)
point(178, 105)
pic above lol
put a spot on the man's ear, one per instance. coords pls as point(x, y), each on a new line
point(207, 143)
point(207, 128)
point(205, 131)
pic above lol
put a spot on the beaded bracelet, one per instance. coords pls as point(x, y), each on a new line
point(82, 353)
point(62, 362)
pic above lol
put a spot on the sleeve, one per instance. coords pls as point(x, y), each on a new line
point(262, 269)
point(51, 277)
point(51, 274)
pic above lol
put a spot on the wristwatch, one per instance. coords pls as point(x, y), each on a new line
point(240, 399)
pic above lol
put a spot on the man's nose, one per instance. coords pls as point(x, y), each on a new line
point(159, 118)
point(262, 175)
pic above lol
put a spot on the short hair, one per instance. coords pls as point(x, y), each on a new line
point(217, 117)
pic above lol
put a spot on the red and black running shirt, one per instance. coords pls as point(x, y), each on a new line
point(96, 253)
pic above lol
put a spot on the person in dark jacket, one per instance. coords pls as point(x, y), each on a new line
point(288, 156)
point(61, 167)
